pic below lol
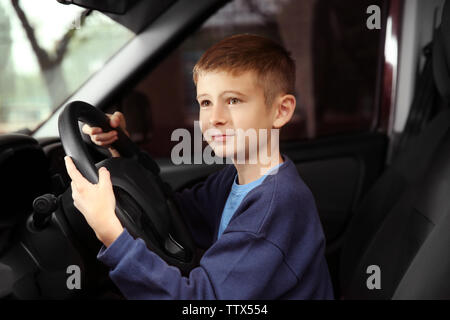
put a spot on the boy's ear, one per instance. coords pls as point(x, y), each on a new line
point(284, 109)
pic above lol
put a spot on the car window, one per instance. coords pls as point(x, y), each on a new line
point(47, 51)
point(336, 57)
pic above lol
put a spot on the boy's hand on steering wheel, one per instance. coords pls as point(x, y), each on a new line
point(96, 202)
point(105, 139)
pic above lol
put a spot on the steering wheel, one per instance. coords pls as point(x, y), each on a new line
point(144, 204)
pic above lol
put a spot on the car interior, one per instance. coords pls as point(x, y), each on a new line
point(381, 192)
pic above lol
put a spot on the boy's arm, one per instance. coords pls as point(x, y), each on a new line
point(195, 214)
point(200, 206)
point(197, 205)
point(239, 266)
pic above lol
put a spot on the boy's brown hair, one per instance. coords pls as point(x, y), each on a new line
point(273, 65)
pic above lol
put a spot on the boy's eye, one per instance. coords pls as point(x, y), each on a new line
point(205, 103)
point(233, 100)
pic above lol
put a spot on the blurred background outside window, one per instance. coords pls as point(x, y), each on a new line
point(337, 59)
point(47, 51)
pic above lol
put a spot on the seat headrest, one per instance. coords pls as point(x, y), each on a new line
point(441, 55)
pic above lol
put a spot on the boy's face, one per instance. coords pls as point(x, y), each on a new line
point(228, 103)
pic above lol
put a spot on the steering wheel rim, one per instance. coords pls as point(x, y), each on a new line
point(73, 146)
point(142, 191)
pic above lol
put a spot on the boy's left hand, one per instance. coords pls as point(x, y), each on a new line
point(96, 202)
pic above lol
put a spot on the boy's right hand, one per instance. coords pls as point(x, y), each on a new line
point(105, 139)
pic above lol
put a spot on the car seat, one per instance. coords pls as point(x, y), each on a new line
point(402, 223)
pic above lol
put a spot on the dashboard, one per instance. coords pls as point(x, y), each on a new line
point(37, 258)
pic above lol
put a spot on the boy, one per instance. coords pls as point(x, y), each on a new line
point(258, 221)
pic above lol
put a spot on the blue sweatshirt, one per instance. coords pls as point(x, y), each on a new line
point(235, 197)
point(272, 248)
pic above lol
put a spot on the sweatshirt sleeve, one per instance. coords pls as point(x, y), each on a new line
point(238, 266)
point(199, 206)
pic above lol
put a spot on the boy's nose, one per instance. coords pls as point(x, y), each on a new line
point(218, 115)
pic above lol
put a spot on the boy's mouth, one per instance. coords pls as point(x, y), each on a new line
point(221, 137)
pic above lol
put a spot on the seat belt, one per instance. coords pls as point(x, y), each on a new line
point(433, 86)
point(424, 102)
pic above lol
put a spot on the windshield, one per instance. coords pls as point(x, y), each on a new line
point(47, 51)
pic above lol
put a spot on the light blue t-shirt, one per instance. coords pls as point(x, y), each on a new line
point(237, 194)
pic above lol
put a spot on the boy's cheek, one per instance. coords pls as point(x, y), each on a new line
point(202, 124)
point(204, 129)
